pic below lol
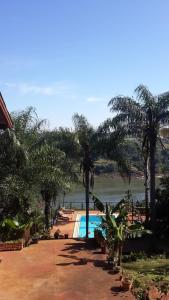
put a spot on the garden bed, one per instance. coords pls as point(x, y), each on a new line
point(11, 246)
point(150, 276)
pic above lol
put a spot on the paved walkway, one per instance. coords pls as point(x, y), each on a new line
point(58, 270)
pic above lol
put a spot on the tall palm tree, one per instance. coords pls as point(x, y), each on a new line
point(145, 153)
point(54, 174)
point(87, 166)
point(143, 117)
point(106, 142)
point(50, 168)
point(86, 137)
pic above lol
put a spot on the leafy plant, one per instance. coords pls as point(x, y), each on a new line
point(116, 227)
point(35, 236)
point(134, 256)
point(46, 235)
point(10, 229)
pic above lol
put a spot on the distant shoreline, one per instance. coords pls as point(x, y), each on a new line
point(137, 175)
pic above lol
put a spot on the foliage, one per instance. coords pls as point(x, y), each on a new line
point(13, 158)
point(84, 131)
point(142, 117)
point(132, 151)
point(10, 229)
point(35, 236)
point(18, 189)
point(49, 170)
point(13, 184)
point(54, 173)
point(17, 197)
point(100, 206)
point(162, 208)
point(35, 164)
point(148, 273)
point(116, 227)
point(134, 256)
point(86, 138)
point(103, 166)
point(63, 139)
point(110, 145)
point(37, 220)
point(28, 127)
point(46, 235)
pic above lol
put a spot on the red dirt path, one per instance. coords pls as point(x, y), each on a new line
point(60, 270)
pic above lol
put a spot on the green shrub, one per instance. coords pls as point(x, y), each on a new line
point(10, 230)
point(134, 256)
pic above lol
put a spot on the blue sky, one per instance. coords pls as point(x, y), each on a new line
point(74, 55)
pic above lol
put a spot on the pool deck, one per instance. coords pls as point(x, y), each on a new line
point(58, 270)
point(69, 227)
point(65, 269)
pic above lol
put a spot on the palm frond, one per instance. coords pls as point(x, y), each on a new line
point(163, 101)
point(119, 156)
point(161, 142)
point(163, 117)
point(143, 94)
point(120, 119)
point(125, 105)
point(98, 203)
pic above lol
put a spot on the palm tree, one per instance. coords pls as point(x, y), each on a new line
point(143, 117)
point(28, 127)
point(145, 153)
point(50, 165)
point(13, 161)
point(87, 166)
point(54, 174)
point(86, 138)
point(106, 142)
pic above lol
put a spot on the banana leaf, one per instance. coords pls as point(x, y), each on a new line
point(99, 205)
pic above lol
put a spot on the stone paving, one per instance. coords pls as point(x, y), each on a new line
point(58, 269)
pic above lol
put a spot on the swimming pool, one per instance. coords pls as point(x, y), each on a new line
point(94, 221)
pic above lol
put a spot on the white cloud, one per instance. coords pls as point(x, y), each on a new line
point(95, 99)
point(59, 88)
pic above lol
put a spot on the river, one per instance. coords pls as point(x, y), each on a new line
point(107, 189)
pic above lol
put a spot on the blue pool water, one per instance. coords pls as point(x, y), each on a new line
point(94, 221)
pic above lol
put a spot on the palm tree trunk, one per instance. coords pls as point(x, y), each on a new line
point(47, 213)
point(146, 189)
point(152, 185)
point(87, 192)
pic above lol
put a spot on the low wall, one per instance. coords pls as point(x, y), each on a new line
point(11, 246)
